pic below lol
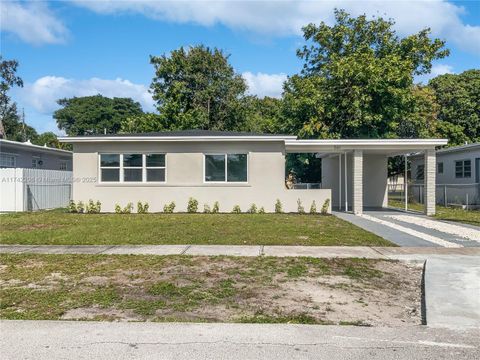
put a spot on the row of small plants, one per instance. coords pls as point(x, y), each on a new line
point(92, 207)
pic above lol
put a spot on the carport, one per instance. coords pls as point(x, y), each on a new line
point(356, 170)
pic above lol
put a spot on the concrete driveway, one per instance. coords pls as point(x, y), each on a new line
point(413, 229)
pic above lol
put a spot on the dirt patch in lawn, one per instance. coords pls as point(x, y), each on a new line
point(212, 289)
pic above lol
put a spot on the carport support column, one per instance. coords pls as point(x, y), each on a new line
point(429, 181)
point(357, 182)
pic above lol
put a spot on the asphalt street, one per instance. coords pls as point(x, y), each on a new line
point(103, 340)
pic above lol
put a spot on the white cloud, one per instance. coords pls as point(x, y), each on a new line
point(32, 22)
point(279, 18)
point(262, 85)
point(441, 69)
point(42, 95)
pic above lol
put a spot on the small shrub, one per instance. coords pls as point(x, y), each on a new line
point(127, 209)
point(325, 207)
point(169, 208)
point(99, 206)
point(253, 209)
point(118, 209)
point(72, 207)
point(80, 207)
point(142, 208)
point(300, 208)
point(236, 209)
point(216, 208)
point(92, 207)
point(206, 209)
point(261, 210)
point(313, 208)
point(278, 206)
point(192, 206)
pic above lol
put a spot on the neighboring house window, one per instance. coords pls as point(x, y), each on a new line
point(420, 172)
point(63, 165)
point(7, 161)
point(463, 169)
point(36, 162)
point(226, 167)
point(440, 167)
point(132, 167)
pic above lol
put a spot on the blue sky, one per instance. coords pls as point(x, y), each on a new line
point(82, 47)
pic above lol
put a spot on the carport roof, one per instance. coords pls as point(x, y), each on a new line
point(381, 146)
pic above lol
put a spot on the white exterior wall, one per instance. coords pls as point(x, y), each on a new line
point(375, 171)
point(185, 177)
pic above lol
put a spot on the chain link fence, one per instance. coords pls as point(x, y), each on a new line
point(461, 195)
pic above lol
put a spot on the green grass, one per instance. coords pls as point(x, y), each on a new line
point(444, 213)
point(60, 228)
point(180, 288)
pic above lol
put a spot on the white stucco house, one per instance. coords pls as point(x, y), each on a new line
point(457, 175)
point(236, 168)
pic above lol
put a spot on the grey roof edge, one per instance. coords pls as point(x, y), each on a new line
point(28, 146)
point(452, 149)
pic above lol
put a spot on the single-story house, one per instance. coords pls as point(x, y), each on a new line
point(236, 168)
point(457, 174)
point(33, 177)
point(25, 155)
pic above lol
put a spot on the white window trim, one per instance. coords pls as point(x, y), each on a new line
point(226, 173)
point(121, 169)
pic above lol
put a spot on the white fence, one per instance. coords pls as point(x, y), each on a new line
point(34, 189)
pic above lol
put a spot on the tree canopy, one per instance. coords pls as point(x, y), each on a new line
point(357, 79)
point(94, 114)
point(197, 88)
point(458, 98)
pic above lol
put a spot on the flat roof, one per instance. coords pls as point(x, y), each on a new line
point(30, 146)
point(183, 135)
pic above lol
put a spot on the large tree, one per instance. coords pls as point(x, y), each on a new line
point(459, 99)
point(357, 79)
point(197, 88)
point(94, 114)
point(9, 119)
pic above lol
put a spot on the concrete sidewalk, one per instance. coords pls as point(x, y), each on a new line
point(107, 340)
point(420, 253)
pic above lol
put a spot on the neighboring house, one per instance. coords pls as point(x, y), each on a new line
point(234, 169)
point(457, 173)
point(25, 155)
point(33, 177)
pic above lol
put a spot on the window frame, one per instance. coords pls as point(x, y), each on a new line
point(12, 157)
point(463, 161)
point(225, 154)
point(440, 165)
point(121, 168)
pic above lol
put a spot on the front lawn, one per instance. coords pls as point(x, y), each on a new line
point(60, 228)
point(444, 213)
point(209, 289)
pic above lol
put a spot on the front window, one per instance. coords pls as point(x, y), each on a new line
point(463, 169)
point(63, 165)
point(132, 167)
point(110, 167)
point(226, 167)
